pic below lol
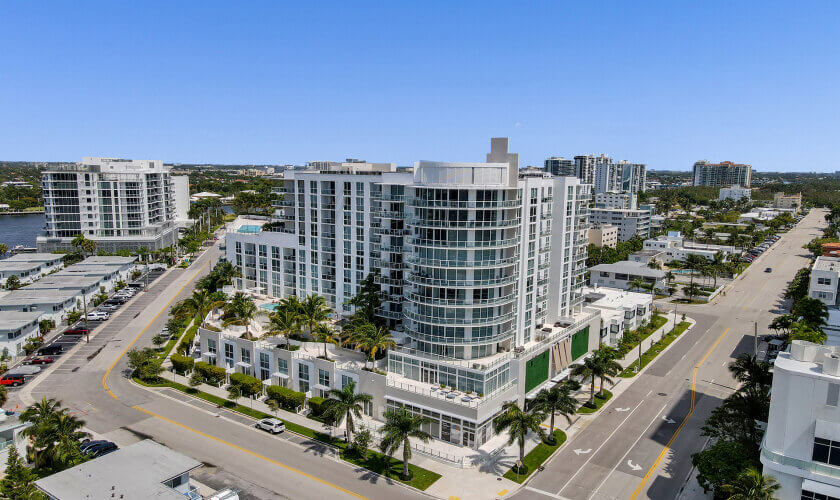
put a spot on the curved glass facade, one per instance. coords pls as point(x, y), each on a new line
point(462, 268)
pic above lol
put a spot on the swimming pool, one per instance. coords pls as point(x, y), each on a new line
point(268, 307)
point(249, 229)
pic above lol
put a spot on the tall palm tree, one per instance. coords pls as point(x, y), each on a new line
point(637, 283)
point(717, 265)
point(599, 365)
point(400, 426)
point(314, 310)
point(4, 249)
point(346, 403)
point(553, 401)
point(518, 424)
point(324, 333)
point(283, 321)
point(65, 434)
point(609, 367)
point(694, 263)
point(752, 485)
point(373, 339)
point(241, 310)
point(748, 370)
point(811, 311)
point(200, 303)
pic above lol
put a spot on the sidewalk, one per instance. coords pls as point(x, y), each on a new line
point(654, 337)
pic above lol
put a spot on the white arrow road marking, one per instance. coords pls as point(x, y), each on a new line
point(633, 466)
point(622, 409)
point(578, 451)
point(668, 420)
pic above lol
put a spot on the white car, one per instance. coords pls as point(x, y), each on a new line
point(271, 425)
point(98, 316)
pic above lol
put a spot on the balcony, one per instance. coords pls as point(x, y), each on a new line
point(805, 465)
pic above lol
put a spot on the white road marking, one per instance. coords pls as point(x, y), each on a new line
point(543, 492)
point(668, 420)
point(578, 451)
point(633, 466)
point(617, 427)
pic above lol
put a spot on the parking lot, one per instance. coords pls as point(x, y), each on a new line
point(123, 314)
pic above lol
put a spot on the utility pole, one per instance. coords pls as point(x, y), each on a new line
point(84, 309)
point(755, 339)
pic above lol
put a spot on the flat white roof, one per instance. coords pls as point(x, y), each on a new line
point(12, 320)
point(629, 267)
point(106, 260)
point(824, 263)
point(614, 298)
point(136, 471)
point(34, 257)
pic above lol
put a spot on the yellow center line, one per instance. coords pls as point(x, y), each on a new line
point(196, 431)
point(682, 424)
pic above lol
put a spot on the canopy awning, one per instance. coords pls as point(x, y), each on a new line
point(243, 364)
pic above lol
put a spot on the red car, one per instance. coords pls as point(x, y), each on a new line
point(75, 331)
point(40, 360)
point(12, 380)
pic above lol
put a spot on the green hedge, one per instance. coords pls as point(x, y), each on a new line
point(248, 385)
point(285, 397)
point(318, 405)
point(182, 364)
point(187, 340)
point(213, 375)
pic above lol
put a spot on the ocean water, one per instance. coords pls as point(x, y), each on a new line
point(20, 229)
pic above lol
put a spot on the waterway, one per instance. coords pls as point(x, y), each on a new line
point(20, 229)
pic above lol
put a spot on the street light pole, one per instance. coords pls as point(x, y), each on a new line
point(755, 339)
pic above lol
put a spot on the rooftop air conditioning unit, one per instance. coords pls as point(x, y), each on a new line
point(519, 349)
point(831, 364)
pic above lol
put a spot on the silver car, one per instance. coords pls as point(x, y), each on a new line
point(271, 425)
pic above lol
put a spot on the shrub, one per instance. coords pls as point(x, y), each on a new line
point(187, 340)
point(318, 405)
point(248, 385)
point(45, 325)
point(285, 397)
point(182, 364)
point(213, 375)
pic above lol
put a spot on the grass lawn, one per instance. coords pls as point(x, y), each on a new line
point(600, 399)
point(420, 478)
point(536, 457)
point(655, 349)
point(655, 323)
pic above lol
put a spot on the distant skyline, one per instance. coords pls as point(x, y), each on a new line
point(660, 83)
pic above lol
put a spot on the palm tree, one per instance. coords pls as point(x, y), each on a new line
point(241, 310)
point(4, 249)
point(694, 262)
point(314, 310)
point(637, 283)
point(752, 485)
point(346, 403)
point(283, 321)
point(518, 424)
point(400, 426)
point(324, 333)
point(65, 434)
point(811, 311)
point(373, 338)
point(717, 265)
point(691, 290)
point(608, 366)
point(783, 323)
point(200, 303)
point(553, 401)
point(748, 370)
point(599, 365)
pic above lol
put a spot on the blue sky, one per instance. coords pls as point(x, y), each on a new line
point(663, 83)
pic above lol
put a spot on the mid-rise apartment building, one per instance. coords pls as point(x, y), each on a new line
point(620, 177)
point(787, 201)
point(630, 223)
point(603, 236)
point(559, 166)
point(119, 204)
point(735, 193)
point(482, 267)
point(587, 165)
point(803, 426)
point(724, 173)
point(612, 199)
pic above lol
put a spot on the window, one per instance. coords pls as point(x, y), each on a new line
point(823, 281)
point(303, 372)
point(810, 495)
point(826, 451)
point(323, 377)
point(246, 356)
point(265, 366)
point(229, 355)
point(282, 366)
point(211, 346)
point(345, 381)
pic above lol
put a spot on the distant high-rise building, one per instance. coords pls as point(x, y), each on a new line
point(620, 177)
point(724, 173)
point(119, 204)
point(559, 166)
point(585, 166)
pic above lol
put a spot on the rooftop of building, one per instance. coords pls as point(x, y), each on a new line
point(649, 253)
point(614, 298)
point(12, 320)
point(27, 296)
point(64, 282)
point(106, 260)
point(136, 471)
point(246, 224)
point(824, 263)
point(34, 257)
point(113, 165)
point(811, 360)
point(19, 266)
point(630, 267)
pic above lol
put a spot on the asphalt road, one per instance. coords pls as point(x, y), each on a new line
point(641, 446)
point(92, 382)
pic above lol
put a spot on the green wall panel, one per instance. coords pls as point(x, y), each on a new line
point(580, 343)
point(536, 371)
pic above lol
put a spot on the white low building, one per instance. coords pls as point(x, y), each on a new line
point(676, 247)
point(29, 267)
point(622, 273)
point(52, 304)
point(735, 193)
point(825, 280)
point(620, 310)
point(16, 328)
point(803, 426)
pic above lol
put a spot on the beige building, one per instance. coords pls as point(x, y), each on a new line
point(789, 201)
point(603, 236)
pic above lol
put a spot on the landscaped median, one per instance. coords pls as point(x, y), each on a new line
point(655, 349)
point(536, 457)
point(630, 340)
point(377, 462)
point(600, 400)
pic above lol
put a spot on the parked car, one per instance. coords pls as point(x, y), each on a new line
point(109, 308)
point(76, 331)
point(86, 445)
point(39, 360)
point(271, 425)
point(116, 300)
point(101, 449)
point(768, 270)
point(98, 316)
point(12, 379)
point(51, 350)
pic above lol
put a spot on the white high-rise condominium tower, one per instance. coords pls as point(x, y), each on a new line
point(620, 177)
point(586, 166)
point(119, 204)
point(482, 268)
